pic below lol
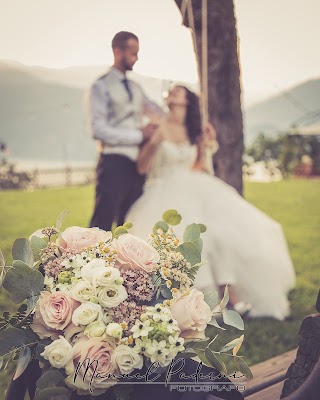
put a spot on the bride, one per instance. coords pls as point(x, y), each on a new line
point(243, 247)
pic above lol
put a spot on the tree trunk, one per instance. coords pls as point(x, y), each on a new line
point(224, 105)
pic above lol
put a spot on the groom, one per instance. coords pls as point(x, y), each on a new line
point(117, 106)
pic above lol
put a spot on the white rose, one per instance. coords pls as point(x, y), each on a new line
point(87, 313)
point(114, 330)
point(89, 270)
point(82, 291)
point(112, 295)
point(126, 359)
point(58, 353)
point(95, 329)
point(105, 276)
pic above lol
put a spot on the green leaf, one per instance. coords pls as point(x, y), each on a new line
point(40, 349)
point(172, 217)
point(191, 233)
point(215, 361)
point(23, 361)
point(128, 225)
point(60, 219)
point(51, 393)
point(37, 244)
point(160, 225)
point(212, 299)
point(166, 292)
point(50, 378)
point(202, 227)
point(225, 299)
point(120, 230)
point(22, 251)
point(214, 323)
point(12, 337)
point(190, 252)
point(243, 367)
point(186, 354)
point(231, 345)
point(232, 318)
point(199, 244)
point(22, 282)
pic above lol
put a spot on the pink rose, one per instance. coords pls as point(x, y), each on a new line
point(192, 314)
point(77, 238)
point(98, 352)
point(53, 313)
point(134, 252)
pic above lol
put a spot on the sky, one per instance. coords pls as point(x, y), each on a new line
point(279, 39)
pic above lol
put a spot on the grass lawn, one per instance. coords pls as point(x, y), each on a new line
point(294, 203)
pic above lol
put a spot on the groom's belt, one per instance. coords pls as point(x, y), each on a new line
point(131, 152)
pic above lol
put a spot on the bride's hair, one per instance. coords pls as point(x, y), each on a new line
point(193, 116)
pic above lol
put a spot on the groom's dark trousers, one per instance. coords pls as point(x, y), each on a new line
point(118, 186)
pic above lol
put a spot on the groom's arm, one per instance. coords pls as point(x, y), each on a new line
point(100, 126)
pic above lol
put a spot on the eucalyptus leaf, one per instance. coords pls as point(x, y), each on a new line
point(1, 362)
point(22, 251)
point(225, 299)
point(37, 244)
point(199, 244)
point(202, 227)
point(231, 345)
point(172, 217)
point(160, 225)
point(23, 361)
point(191, 233)
point(212, 299)
point(12, 338)
point(186, 354)
point(214, 323)
point(166, 292)
point(215, 361)
point(232, 318)
point(22, 282)
point(243, 367)
point(60, 219)
point(51, 393)
point(191, 252)
point(49, 378)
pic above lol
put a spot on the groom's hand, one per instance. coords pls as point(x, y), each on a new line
point(148, 131)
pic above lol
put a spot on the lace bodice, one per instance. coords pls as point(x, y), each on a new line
point(171, 157)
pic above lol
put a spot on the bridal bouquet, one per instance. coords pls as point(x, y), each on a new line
point(98, 306)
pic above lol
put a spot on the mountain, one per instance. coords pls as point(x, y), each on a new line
point(42, 111)
point(297, 105)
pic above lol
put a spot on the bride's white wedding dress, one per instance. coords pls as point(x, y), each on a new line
point(242, 245)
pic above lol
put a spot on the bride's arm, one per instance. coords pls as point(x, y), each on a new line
point(205, 141)
point(148, 151)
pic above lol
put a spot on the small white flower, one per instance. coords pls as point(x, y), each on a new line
point(126, 359)
point(114, 330)
point(141, 329)
point(58, 353)
point(171, 325)
point(88, 271)
point(161, 353)
point(87, 313)
point(95, 329)
point(112, 295)
point(49, 282)
point(176, 344)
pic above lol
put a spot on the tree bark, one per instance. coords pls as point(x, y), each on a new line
point(224, 104)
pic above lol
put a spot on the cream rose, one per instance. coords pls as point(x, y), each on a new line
point(82, 291)
point(105, 276)
point(92, 267)
point(77, 238)
point(134, 252)
point(95, 329)
point(112, 295)
point(91, 357)
point(192, 314)
point(114, 330)
point(53, 313)
point(58, 353)
point(87, 313)
point(126, 359)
